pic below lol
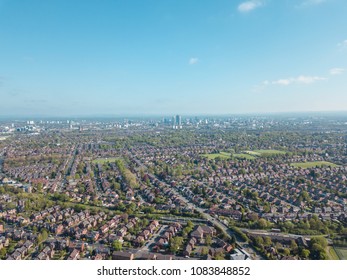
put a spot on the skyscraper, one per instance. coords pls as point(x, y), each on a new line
point(177, 122)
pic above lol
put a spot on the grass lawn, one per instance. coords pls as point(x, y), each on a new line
point(253, 153)
point(103, 160)
point(332, 254)
point(341, 252)
point(310, 164)
point(222, 155)
point(260, 153)
point(271, 152)
point(244, 156)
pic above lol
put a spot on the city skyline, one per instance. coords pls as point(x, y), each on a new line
point(178, 57)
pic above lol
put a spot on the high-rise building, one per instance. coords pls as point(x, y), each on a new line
point(177, 122)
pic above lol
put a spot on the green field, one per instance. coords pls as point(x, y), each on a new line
point(252, 153)
point(223, 155)
point(332, 253)
point(261, 153)
point(226, 155)
point(310, 164)
point(341, 252)
point(104, 160)
point(243, 156)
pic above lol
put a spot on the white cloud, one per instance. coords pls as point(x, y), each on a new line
point(247, 6)
point(343, 44)
point(282, 82)
point(298, 80)
point(308, 79)
point(336, 71)
point(193, 60)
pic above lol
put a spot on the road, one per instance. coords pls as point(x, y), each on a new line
point(64, 180)
point(1, 163)
point(240, 244)
point(150, 242)
point(243, 246)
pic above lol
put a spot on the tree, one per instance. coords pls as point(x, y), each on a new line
point(44, 234)
point(3, 253)
point(79, 207)
point(190, 224)
point(42, 237)
point(219, 256)
point(317, 251)
point(267, 241)
point(39, 187)
point(233, 240)
point(204, 251)
point(293, 246)
point(289, 225)
point(305, 253)
point(259, 242)
point(175, 244)
point(253, 217)
point(131, 208)
point(286, 252)
point(208, 240)
point(117, 245)
point(262, 223)
point(319, 240)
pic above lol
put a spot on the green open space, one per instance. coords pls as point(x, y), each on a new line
point(311, 164)
point(271, 152)
point(253, 153)
point(262, 153)
point(223, 155)
point(332, 253)
point(341, 252)
point(104, 160)
point(244, 156)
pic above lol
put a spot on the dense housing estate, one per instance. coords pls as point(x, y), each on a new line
point(210, 188)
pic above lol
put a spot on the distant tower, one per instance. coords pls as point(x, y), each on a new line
point(177, 122)
point(173, 122)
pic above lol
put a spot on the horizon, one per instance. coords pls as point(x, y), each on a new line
point(121, 58)
point(168, 115)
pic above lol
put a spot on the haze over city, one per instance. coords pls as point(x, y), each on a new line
point(64, 58)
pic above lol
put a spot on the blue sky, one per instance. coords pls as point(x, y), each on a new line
point(89, 57)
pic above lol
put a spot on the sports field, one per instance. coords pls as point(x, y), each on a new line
point(311, 164)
